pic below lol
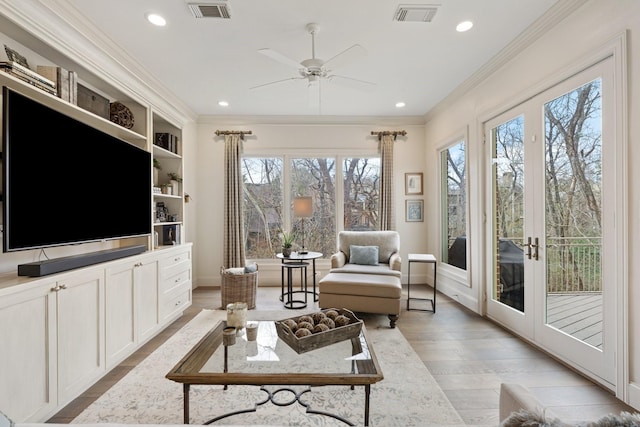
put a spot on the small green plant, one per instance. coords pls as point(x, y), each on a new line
point(287, 238)
point(174, 177)
point(156, 164)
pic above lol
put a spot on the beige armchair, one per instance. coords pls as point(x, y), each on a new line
point(365, 274)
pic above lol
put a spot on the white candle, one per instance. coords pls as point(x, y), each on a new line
point(237, 315)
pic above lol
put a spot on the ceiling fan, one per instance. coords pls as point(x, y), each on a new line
point(315, 70)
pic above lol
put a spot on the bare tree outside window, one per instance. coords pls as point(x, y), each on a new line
point(268, 211)
point(361, 193)
point(263, 203)
point(315, 177)
point(573, 127)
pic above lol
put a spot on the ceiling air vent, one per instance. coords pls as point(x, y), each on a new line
point(210, 10)
point(415, 12)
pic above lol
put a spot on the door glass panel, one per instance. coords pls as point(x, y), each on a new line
point(573, 136)
point(508, 212)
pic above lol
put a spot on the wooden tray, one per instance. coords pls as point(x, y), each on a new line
point(320, 339)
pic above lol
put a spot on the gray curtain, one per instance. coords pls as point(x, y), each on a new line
point(387, 218)
point(234, 255)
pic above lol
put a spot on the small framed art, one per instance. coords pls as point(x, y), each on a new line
point(413, 184)
point(414, 210)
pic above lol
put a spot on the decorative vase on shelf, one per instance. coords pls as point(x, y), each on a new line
point(155, 177)
point(175, 187)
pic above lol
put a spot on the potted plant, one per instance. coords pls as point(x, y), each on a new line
point(287, 242)
point(175, 180)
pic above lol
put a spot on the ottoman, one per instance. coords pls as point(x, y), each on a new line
point(362, 292)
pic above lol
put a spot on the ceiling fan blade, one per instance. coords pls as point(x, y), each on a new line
point(276, 56)
point(350, 82)
point(277, 81)
point(346, 56)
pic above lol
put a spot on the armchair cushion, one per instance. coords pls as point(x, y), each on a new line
point(363, 255)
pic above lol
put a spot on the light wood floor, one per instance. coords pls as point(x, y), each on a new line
point(468, 356)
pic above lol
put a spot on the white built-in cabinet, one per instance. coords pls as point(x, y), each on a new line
point(61, 333)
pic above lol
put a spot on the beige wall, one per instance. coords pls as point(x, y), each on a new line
point(328, 138)
point(564, 47)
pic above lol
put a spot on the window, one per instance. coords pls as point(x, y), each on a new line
point(263, 213)
point(315, 177)
point(362, 193)
point(454, 205)
point(338, 186)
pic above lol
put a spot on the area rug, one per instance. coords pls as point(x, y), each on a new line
point(407, 396)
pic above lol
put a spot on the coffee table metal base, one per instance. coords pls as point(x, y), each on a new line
point(270, 398)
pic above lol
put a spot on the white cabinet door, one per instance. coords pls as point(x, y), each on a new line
point(120, 326)
point(28, 353)
point(81, 324)
point(146, 306)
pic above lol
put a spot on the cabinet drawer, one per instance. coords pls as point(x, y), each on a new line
point(176, 257)
point(176, 301)
point(180, 277)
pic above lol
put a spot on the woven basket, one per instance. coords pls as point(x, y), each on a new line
point(239, 288)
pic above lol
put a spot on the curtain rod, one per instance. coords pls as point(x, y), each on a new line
point(242, 133)
point(395, 133)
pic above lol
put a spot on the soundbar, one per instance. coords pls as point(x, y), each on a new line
point(56, 265)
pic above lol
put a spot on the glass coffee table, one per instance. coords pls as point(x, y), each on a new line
point(269, 361)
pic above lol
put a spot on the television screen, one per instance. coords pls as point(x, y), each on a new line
point(66, 182)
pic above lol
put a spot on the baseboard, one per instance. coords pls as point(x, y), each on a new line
point(57, 265)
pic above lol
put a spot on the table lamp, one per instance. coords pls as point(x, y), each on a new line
point(303, 208)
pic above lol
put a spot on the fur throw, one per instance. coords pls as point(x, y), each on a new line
point(524, 418)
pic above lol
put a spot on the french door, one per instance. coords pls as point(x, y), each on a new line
point(552, 194)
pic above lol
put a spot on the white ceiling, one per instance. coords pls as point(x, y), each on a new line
point(205, 60)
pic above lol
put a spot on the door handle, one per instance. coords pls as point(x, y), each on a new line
point(535, 249)
point(528, 245)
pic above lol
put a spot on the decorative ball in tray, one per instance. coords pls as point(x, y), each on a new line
point(319, 329)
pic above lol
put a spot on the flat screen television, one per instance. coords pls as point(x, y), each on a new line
point(65, 182)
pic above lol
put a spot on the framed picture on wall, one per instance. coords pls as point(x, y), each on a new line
point(413, 183)
point(414, 210)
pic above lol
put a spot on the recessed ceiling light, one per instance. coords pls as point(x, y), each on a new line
point(156, 19)
point(464, 26)
point(223, 103)
point(400, 104)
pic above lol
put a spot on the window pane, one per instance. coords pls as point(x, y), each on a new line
point(315, 178)
point(361, 193)
point(454, 205)
point(262, 206)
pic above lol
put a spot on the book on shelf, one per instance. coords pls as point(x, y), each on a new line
point(27, 75)
point(65, 81)
point(167, 141)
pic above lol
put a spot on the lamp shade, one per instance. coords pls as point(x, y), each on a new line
point(303, 207)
